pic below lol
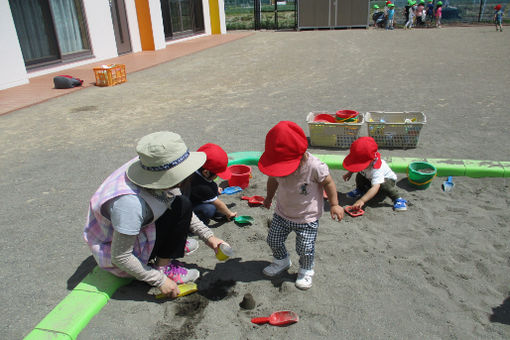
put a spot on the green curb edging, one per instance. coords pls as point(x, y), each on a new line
point(244, 157)
point(75, 311)
point(445, 167)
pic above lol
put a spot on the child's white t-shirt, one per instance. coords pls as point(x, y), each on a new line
point(377, 176)
point(299, 195)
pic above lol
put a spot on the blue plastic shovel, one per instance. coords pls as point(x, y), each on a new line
point(231, 190)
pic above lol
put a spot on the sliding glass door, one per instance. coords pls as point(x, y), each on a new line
point(50, 30)
point(182, 17)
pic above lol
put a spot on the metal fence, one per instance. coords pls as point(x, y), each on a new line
point(260, 14)
point(465, 11)
point(282, 15)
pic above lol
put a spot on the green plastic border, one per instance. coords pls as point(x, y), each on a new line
point(75, 311)
point(445, 167)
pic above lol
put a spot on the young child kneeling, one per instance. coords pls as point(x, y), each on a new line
point(373, 174)
point(204, 191)
point(298, 179)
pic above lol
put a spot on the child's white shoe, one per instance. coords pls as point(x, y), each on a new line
point(277, 267)
point(304, 279)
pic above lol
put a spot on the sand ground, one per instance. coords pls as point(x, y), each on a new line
point(439, 270)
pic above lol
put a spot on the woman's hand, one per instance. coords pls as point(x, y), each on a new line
point(213, 242)
point(170, 288)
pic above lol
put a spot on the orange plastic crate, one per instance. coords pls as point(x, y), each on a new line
point(109, 75)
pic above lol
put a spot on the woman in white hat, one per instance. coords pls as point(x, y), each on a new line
point(138, 214)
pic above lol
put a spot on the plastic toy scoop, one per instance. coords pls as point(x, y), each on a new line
point(280, 318)
point(184, 288)
point(231, 190)
point(448, 184)
point(354, 212)
point(254, 200)
point(243, 219)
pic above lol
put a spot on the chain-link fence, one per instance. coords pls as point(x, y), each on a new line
point(260, 14)
point(465, 11)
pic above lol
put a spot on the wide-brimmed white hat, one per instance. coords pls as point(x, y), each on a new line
point(164, 162)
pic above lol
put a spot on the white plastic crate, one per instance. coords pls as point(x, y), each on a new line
point(395, 129)
point(339, 135)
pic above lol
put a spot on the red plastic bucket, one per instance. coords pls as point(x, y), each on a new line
point(241, 175)
point(346, 116)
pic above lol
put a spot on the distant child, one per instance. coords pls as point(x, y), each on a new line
point(420, 14)
point(429, 11)
point(298, 179)
point(406, 12)
point(439, 13)
point(385, 9)
point(378, 16)
point(391, 16)
point(498, 18)
point(412, 14)
point(373, 174)
point(204, 191)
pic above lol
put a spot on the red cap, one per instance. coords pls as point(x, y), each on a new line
point(217, 160)
point(363, 152)
point(286, 144)
point(388, 2)
point(497, 7)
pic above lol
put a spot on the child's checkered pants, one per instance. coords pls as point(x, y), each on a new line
point(306, 234)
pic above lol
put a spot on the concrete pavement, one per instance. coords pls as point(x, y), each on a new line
point(55, 154)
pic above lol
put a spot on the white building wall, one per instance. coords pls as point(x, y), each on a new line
point(158, 30)
point(223, 24)
point(100, 27)
point(134, 32)
point(101, 37)
point(12, 67)
point(207, 16)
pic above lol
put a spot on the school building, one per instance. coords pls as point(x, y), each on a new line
point(44, 36)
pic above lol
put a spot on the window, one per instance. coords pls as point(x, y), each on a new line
point(50, 31)
point(182, 17)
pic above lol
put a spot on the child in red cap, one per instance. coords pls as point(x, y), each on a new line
point(498, 17)
point(373, 174)
point(298, 179)
point(204, 191)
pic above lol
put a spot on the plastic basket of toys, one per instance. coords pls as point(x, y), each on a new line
point(395, 129)
point(109, 75)
point(327, 129)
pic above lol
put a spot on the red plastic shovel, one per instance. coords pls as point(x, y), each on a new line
point(254, 200)
point(281, 318)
